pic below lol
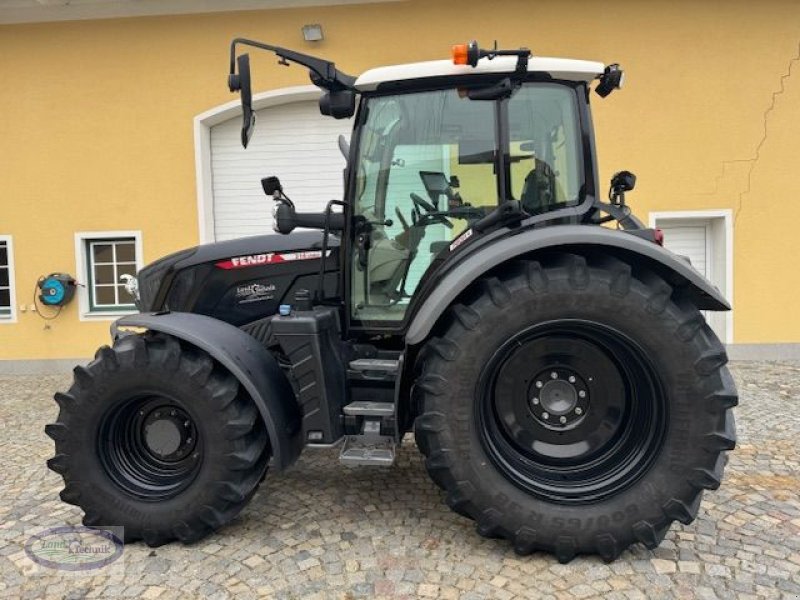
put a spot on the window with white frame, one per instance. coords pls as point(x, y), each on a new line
point(6, 280)
point(107, 260)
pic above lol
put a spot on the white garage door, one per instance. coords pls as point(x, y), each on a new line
point(293, 141)
point(691, 241)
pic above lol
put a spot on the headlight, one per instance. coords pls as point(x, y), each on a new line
point(131, 285)
point(150, 278)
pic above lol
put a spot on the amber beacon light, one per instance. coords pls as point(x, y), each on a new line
point(466, 54)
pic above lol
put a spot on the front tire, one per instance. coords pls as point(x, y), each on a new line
point(575, 407)
point(159, 439)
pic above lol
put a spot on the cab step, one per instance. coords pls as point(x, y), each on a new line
point(370, 409)
point(357, 453)
point(370, 448)
point(374, 368)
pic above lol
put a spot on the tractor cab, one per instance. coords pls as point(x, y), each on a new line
point(445, 152)
point(436, 155)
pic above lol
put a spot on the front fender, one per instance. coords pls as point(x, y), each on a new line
point(585, 239)
point(247, 360)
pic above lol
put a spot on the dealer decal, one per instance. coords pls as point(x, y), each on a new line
point(270, 258)
point(254, 292)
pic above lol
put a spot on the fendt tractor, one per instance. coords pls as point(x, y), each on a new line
point(473, 286)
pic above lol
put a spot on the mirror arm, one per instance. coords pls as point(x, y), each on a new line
point(327, 75)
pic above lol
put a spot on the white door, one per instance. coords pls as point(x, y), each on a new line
point(293, 141)
point(691, 241)
point(703, 242)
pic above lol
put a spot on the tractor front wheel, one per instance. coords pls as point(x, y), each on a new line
point(158, 438)
point(575, 407)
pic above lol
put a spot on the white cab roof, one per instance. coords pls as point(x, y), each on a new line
point(558, 68)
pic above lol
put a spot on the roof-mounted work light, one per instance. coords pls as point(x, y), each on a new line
point(612, 79)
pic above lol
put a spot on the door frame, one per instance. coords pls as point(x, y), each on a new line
point(724, 220)
point(202, 144)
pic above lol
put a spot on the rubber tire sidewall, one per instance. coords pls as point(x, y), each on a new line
point(645, 314)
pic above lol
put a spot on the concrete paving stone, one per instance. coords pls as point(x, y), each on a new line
point(322, 531)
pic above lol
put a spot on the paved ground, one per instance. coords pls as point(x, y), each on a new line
point(321, 531)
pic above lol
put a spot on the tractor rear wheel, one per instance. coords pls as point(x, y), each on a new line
point(575, 407)
point(158, 438)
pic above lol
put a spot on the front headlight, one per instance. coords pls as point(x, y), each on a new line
point(131, 286)
point(150, 278)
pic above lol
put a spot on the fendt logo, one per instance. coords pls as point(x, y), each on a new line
point(269, 258)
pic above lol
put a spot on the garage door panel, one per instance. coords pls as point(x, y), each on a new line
point(292, 141)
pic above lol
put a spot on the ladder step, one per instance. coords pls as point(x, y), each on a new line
point(376, 455)
point(376, 365)
point(370, 409)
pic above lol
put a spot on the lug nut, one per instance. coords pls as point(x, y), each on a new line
point(539, 384)
point(562, 419)
point(186, 424)
point(581, 394)
point(572, 378)
point(578, 410)
point(545, 415)
point(173, 413)
point(554, 375)
point(534, 401)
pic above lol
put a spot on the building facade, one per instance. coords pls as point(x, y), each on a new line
point(119, 138)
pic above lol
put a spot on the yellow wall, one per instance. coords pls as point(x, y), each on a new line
point(96, 123)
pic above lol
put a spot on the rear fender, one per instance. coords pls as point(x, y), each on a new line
point(582, 239)
point(247, 360)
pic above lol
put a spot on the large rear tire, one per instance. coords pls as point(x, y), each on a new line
point(575, 407)
point(158, 438)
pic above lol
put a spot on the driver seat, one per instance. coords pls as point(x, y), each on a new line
point(539, 189)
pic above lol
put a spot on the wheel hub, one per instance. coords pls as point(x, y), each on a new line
point(559, 398)
point(169, 434)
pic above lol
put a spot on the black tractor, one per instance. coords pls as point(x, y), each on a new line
point(549, 355)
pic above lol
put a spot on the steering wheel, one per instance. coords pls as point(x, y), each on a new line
point(430, 210)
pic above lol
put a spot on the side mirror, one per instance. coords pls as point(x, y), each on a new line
point(241, 82)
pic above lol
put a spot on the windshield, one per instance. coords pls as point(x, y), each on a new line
point(427, 167)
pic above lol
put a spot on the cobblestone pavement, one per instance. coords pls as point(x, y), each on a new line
point(324, 531)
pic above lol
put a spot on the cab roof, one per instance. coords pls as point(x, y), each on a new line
point(557, 68)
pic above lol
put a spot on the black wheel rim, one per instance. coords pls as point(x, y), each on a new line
point(149, 447)
point(571, 411)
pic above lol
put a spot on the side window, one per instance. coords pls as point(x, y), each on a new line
point(7, 300)
point(104, 261)
point(545, 147)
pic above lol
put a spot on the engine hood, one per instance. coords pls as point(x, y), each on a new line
point(257, 244)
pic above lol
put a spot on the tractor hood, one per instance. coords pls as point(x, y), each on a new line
point(187, 275)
